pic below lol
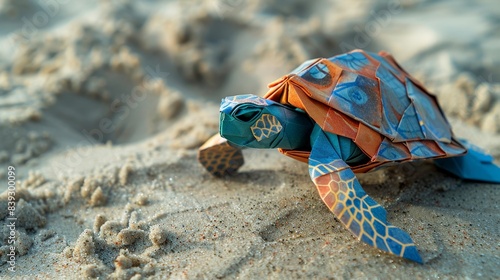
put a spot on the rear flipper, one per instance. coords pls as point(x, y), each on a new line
point(476, 165)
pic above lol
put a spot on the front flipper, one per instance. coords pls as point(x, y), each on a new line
point(344, 196)
point(219, 157)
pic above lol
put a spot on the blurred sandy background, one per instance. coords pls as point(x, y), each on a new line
point(104, 103)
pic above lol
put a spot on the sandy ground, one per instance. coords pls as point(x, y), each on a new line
point(104, 103)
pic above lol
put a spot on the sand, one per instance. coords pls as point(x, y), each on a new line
point(104, 103)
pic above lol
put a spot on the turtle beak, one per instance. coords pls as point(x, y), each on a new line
point(236, 117)
point(234, 130)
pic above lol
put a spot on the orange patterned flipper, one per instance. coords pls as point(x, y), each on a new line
point(219, 157)
point(343, 195)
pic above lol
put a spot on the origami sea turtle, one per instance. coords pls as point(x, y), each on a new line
point(347, 114)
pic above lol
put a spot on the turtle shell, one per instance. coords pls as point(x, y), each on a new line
point(370, 99)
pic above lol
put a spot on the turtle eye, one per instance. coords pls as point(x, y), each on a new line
point(246, 114)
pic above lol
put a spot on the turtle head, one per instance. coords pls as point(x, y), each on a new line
point(256, 122)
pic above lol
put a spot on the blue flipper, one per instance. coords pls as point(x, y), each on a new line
point(342, 193)
point(476, 165)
